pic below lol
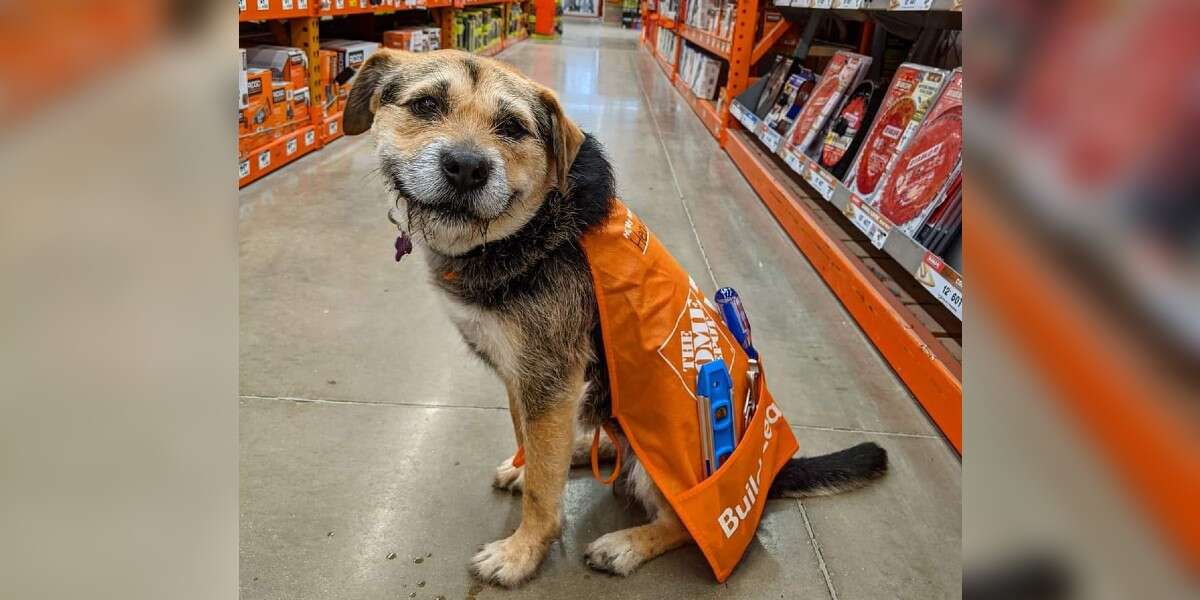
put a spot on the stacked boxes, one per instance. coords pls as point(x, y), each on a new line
point(413, 39)
point(699, 72)
point(336, 56)
point(273, 95)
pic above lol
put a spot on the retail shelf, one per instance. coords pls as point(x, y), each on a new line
point(272, 156)
point(706, 110)
point(465, 3)
point(926, 366)
point(264, 10)
point(491, 49)
point(705, 40)
point(666, 22)
point(668, 70)
point(939, 279)
point(337, 8)
point(331, 128)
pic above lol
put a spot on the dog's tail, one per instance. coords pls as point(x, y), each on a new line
point(830, 474)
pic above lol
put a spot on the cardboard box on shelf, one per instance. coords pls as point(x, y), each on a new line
point(286, 63)
point(350, 53)
point(300, 107)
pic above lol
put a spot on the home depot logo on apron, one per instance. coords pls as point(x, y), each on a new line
point(658, 329)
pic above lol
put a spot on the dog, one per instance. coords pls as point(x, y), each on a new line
point(497, 185)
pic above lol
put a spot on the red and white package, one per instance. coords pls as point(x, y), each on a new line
point(844, 70)
point(908, 99)
point(918, 181)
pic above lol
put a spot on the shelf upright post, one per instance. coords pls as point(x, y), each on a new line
point(305, 34)
point(741, 52)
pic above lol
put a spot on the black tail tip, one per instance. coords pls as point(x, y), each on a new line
point(871, 458)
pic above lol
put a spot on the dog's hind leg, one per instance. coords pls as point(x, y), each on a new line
point(621, 552)
point(548, 432)
point(509, 477)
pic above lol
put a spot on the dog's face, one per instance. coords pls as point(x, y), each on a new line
point(470, 145)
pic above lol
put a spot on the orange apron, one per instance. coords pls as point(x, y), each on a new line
point(658, 329)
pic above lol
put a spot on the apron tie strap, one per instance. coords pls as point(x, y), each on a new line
point(518, 459)
point(596, 455)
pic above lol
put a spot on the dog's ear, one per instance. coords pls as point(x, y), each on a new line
point(364, 91)
point(561, 137)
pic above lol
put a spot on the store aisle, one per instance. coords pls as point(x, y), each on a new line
point(368, 429)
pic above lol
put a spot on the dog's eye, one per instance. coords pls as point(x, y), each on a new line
point(512, 129)
point(425, 107)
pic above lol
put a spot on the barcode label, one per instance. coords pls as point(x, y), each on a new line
point(862, 217)
point(302, 4)
point(264, 159)
point(332, 127)
point(949, 293)
point(339, 4)
point(241, 5)
point(910, 4)
point(291, 146)
point(822, 3)
point(264, 4)
point(243, 169)
point(771, 139)
point(309, 137)
point(820, 182)
point(849, 3)
point(793, 161)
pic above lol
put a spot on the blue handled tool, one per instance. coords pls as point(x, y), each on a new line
point(714, 391)
point(735, 319)
point(738, 323)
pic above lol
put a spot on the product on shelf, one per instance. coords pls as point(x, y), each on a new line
point(477, 29)
point(945, 223)
point(413, 39)
point(912, 92)
point(778, 75)
point(351, 54)
point(286, 63)
point(699, 72)
point(843, 71)
point(848, 127)
point(254, 119)
point(669, 9)
point(711, 16)
point(666, 42)
point(787, 106)
point(918, 181)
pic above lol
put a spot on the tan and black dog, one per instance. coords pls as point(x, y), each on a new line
point(497, 186)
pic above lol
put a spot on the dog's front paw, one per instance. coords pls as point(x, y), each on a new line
point(614, 553)
point(508, 477)
point(508, 562)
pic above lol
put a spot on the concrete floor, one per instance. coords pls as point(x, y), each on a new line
point(367, 428)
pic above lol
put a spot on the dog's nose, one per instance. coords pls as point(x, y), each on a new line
point(465, 169)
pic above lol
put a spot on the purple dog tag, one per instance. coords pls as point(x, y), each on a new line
point(403, 245)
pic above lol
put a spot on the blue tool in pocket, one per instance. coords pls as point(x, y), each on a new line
point(714, 393)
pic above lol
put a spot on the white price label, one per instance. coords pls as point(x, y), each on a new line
point(820, 183)
point(333, 127)
point(947, 292)
point(241, 5)
point(794, 162)
point(291, 146)
point(264, 4)
point(264, 159)
point(243, 169)
point(822, 3)
point(801, 3)
point(771, 139)
point(862, 218)
point(910, 4)
point(339, 4)
point(309, 137)
point(849, 3)
point(302, 4)
point(287, 4)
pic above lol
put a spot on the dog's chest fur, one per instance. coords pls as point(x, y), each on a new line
point(488, 335)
